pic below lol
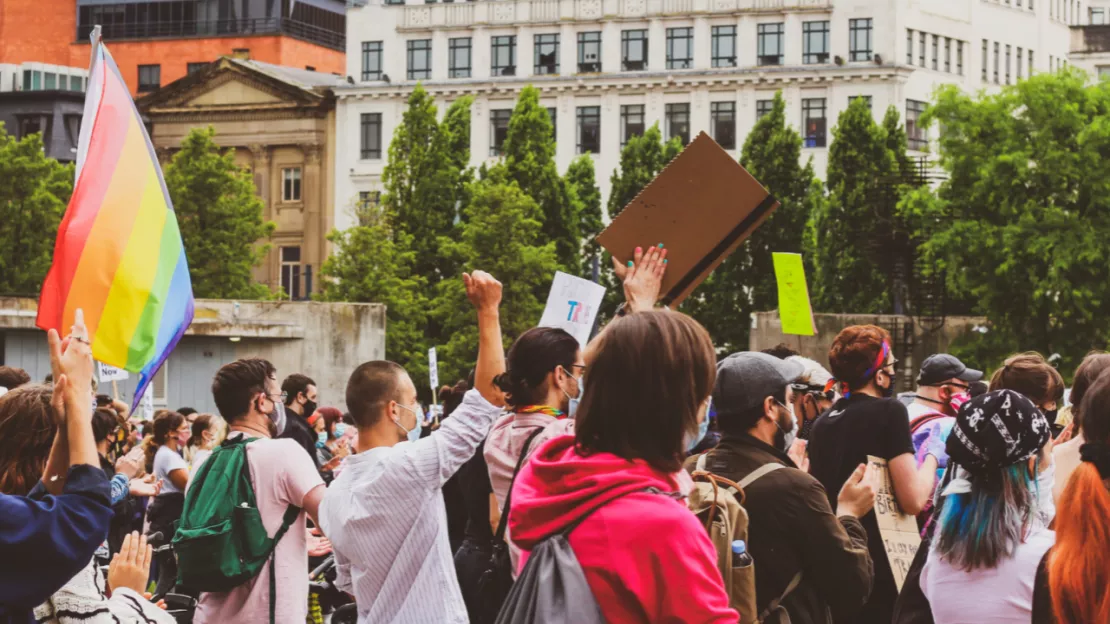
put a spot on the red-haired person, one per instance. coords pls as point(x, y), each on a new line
point(1073, 578)
point(868, 421)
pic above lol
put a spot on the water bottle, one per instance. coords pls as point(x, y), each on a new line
point(740, 556)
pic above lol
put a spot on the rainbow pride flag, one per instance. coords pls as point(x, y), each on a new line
point(119, 255)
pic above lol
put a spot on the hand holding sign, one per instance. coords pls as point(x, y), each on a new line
point(899, 531)
point(572, 305)
point(643, 277)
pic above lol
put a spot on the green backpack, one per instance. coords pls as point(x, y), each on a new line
point(220, 541)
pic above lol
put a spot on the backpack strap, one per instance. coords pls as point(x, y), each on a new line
point(650, 490)
point(763, 470)
point(794, 582)
point(701, 462)
point(503, 523)
point(923, 420)
point(291, 514)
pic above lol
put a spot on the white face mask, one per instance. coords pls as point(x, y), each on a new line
point(788, 436)
point(278, 417)
point(572, 402)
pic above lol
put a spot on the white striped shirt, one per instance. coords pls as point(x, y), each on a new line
point(387, 522)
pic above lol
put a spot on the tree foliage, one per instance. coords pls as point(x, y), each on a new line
point(529, 152)
point(502, 237)
point(848, 234)
point(582, 180)
point(1021, 227)
point(372, 263)
point(745, 282)
point(220, 217)
point(34, 191)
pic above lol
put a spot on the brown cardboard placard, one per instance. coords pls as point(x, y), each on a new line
point(701, 206)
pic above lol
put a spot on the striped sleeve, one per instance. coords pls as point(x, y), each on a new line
point(437, 457)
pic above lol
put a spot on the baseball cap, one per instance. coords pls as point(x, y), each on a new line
point(941, 367)
point(744, 379)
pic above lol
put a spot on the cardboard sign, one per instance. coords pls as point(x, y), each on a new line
point(701, 207)
point(572, 305)
point(899, 531)
point(107, 373)
point(433, 369)
point(794, 307)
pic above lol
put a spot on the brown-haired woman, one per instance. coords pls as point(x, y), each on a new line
point(1031, 375)
point(1073, 577)
point(650, 376)
point(868, 421)
point(171, 433)
point(1066, 455)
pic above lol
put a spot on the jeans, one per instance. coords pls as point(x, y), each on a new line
point(471, 560)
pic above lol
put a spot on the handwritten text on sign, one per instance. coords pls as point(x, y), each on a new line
point(794, 307)
point(898, 530)
point(572, 305)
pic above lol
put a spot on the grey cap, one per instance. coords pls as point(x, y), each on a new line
point(745, 379)
point(941, 367)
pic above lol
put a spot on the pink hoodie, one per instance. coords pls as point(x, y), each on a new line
point(646, 557)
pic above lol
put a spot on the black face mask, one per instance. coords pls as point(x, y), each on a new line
point(309, 408)
point(889, 390)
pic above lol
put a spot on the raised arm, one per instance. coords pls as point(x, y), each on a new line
point(485, 293)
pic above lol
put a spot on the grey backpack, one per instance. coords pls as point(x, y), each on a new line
point(552, 588)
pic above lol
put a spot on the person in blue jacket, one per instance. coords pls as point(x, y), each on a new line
point(49, 534)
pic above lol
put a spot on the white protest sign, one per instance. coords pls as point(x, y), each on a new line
point(147, 404)
point(899, 531)
point(433, 368)
point(572, 305)
point(110, 373)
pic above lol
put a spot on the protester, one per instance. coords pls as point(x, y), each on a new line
point(208, 431)
point(645, 557)
point(782, 351)
point(1032, 376)
point(792, 532)
point(329, 445)
point(1076, 571)
point(385, 513)
point(1066, 456)
point(12, 378)
point(189, 413)
point(299, 395)
point(813, 392)
point(990, 537)
point(247, 395)
point(163, 459)
point(542, 386)
point(868, 421)
point(53, 514)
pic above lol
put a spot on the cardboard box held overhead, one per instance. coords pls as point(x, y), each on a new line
point(701, 207)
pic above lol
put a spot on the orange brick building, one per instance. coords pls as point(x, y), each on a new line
point(155, 42)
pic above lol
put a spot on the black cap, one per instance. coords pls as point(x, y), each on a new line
point(941, 367)
point(744, 379)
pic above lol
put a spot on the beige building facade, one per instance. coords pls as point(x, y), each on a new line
point(280, 122)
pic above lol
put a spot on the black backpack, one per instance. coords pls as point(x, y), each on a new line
point(552, 588)
point(497, 580)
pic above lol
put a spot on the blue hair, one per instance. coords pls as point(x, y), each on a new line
point(980, 528)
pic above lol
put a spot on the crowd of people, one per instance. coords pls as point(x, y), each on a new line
point(638, 478)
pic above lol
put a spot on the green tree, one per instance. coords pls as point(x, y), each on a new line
point(500, 236)
point(425, 178)
point(529, 152)
point(745, 282)
point(34, 191)
point(1021, 227)
point(220, 216)
point(372, 263)
point(847, 233)
point(581, 178)
point(894, 137)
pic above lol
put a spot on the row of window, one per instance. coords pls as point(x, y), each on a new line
point(770, 50)
point(999, 71)
point(1066, 11)
point(35, 80)
point(633, 122)
point(1028, 4)
point(950, 45)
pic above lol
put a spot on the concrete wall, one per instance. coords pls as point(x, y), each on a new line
point(912, 342)
point(325, 341)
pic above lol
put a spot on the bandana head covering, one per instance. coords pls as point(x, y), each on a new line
point(995, 431)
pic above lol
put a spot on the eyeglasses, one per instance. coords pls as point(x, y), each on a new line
point(281, 397)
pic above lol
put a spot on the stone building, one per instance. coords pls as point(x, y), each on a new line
point(280, 122)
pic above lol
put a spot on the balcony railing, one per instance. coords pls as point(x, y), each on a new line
point(218, 28)
point(465, 14)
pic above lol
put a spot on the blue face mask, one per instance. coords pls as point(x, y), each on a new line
point(321, 439)
point(572, 403)
point(703, 428)
point(412, 434)
point(340, 429)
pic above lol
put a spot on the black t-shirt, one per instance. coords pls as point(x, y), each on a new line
point(475, 489)
point(840, 441)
